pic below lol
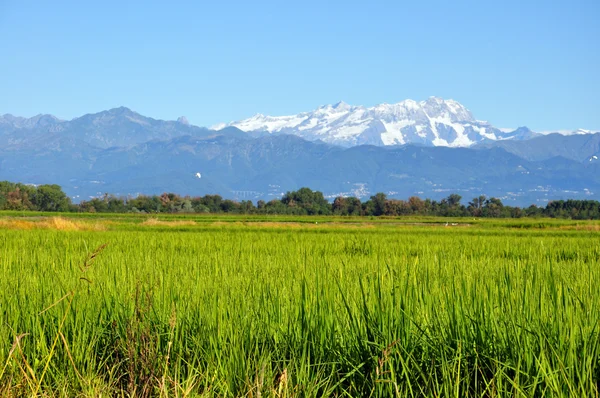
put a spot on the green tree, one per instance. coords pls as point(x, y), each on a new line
point(417, 205)
point(340, 206)
point(116, 205)
point(307, 201)
point(375, 206)
point(187, 207)
point(476, 206)
point(354, 206)
point(260, 204)
point(51, 198)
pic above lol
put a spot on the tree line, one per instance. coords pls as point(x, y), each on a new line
point(17, 196)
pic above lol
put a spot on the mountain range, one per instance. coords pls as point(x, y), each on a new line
point(122, 152)
point(435, 122)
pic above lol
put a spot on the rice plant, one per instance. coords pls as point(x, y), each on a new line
point(238, 308)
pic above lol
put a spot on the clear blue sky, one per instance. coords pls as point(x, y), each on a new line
point(534, 63)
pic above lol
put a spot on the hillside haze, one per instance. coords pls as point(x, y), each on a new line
point(338, 149)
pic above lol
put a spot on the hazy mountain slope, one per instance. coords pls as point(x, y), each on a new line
point(268, 166)
point(121, 152)
point(118, 127)
point(579, 147)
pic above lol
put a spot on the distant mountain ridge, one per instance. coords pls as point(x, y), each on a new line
point(433, 122)
point(577, 146)
point(116, 127)
point(122, 152)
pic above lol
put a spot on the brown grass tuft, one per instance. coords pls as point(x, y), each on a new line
point(580, 227)
point(157, 222)
point(55, 223)
point(293, 225)
point(17, 224)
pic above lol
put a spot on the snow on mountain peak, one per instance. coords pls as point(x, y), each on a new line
point(450, 109)
point(435, 121)
point(342, 106)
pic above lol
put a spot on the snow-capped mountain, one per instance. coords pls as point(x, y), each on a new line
point(435, 122)
point(123, 152)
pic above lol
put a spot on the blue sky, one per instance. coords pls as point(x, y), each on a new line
point(512, 63)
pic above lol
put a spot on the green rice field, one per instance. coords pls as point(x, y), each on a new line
point(234, 306)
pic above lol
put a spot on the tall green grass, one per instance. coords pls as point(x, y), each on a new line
point(245, 311)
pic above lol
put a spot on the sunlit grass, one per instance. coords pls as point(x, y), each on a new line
point(181, 307)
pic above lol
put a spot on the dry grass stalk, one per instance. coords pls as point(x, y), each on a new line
point(53, 223)
point(157, 222)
